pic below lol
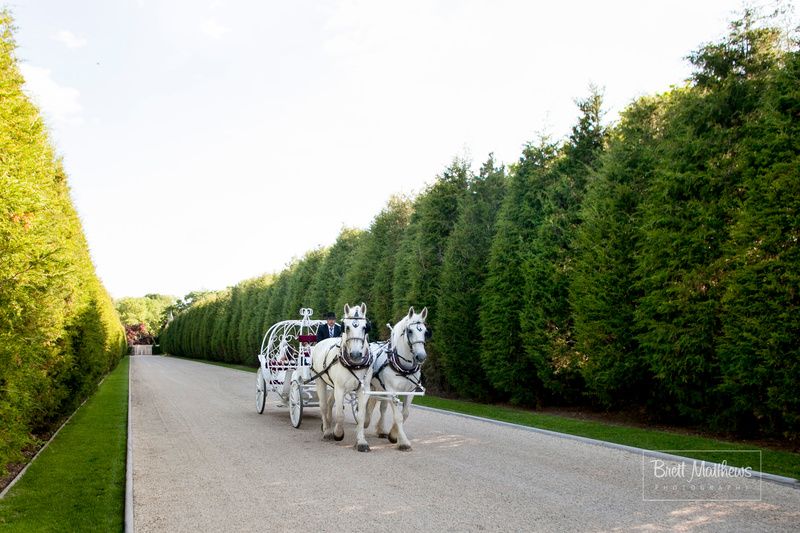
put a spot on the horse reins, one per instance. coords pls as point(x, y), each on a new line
point(344, 359)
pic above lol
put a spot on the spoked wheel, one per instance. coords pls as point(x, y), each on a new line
point(295, 403)
point(261, 392)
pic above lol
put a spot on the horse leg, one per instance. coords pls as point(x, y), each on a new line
point(406, 405)
point(398, 422)
point(368, 414)
point(324, 408)
point(382, 422)
point(361, 441)
point(338, 412)
point(398, 430)
point(393, 431)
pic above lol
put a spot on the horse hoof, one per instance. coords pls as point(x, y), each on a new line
point(362, 447)
point(404, 447)
point(383, 435)
point(327, 436)
point(392, 439)
point(337, 438)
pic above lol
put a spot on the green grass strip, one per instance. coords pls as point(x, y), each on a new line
point(774, 461)
point(777, 462)
point(78, 482)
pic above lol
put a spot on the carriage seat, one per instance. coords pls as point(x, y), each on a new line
point(306, 341)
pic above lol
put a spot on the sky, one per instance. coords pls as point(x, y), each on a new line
point(207, 142)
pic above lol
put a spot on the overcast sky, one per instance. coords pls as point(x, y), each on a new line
point(211, 141)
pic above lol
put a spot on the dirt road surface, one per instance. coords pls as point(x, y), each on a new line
point(205, 460)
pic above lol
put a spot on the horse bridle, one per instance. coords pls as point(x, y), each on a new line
point(408, 335)
point(344, 358)
point(344, 355)
point(394, 354)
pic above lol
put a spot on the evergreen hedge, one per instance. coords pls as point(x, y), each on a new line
point(652, 265)
point(59, 331)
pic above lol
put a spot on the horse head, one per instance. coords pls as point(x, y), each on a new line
point(411, 334)
point(355, 330)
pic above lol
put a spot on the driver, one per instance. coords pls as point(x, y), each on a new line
point(330, 328)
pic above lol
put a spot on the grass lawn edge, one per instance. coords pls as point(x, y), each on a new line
point(44, 446)
point(77, 481)
point(128, 520)
point(783, 480)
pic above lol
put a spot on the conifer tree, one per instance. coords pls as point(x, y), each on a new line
point(59, 332)
point(401, 277)
point(760, 316)
point(603, 288)
point(508, 368)
point(464, 269)
point(274, 311)
point(260, 321)
point(298, 292)
point(386, 232)
point(220, 319)
point(357, 282)
point(327, 287)
point(235, 317)
point(250, 331)
point(435, 213)
point(548, 259)
point(694, 195)
point(202, 345)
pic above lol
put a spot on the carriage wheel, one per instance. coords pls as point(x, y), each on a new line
point(295, 403)
point(261, 392)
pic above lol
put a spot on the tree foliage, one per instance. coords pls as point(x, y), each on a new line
point(603, 291)
point(464, 269)
point(694, 195)
point(548, 260)
point(435, 212)
point(759, 356)
point(502, 351)
point(385, 233)
point(59, 332)
point(328, 290)
point(152, 310)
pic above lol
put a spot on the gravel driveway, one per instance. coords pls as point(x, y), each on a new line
point(204, 460)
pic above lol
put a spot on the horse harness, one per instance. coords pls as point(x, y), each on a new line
point(344, 359)
point(392, 359)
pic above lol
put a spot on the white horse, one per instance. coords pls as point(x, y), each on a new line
point(397, 369)
point(346, 365)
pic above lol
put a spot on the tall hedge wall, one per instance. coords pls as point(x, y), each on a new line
point(652, 265)
point(59, 332)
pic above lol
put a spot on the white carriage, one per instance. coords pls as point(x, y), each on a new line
point(285, 365)
point(285, 370)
